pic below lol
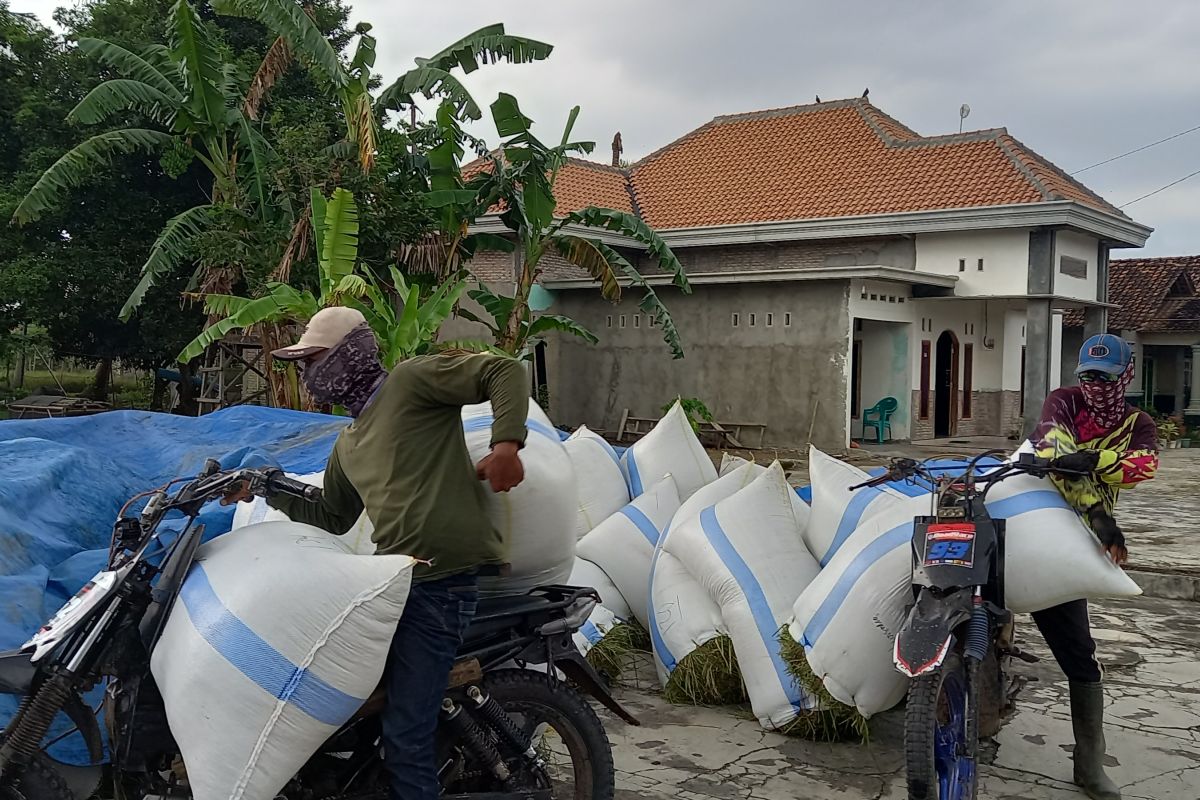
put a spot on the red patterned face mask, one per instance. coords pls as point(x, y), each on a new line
point(1106, 399)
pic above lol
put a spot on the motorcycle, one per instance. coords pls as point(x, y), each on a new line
point(505, 732)
point(957, 642)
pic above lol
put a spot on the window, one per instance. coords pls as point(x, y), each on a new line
point(653, 321)
point(901, 299)
point(622, 320)
point(1072, 267)
point(637, 320)
point(923, 406)
point(856, 379)
point(864, 293)
point(736, 319)
point(874, 297)
point(968, 364)
point(752, 318)
point(962, 265)
point(770, 320)
point(980, 267)
point(610, 320)
point(787, 319)
point(891, 298)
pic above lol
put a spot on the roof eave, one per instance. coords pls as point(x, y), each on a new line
point(874, 272)
point(1120, 232)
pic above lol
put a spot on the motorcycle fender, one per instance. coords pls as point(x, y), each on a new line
point(924, 640)
point(85, 720)
point(580, 672)
point(17, 672)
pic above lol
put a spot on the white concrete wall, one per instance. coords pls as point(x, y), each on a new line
point(1075, 245)
point(965, 320)
point(885, 372)
point(1005, 257)
point(1056, 337)
point(1014, 340)
point(882, 300)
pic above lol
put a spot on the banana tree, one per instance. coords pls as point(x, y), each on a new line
point(191, 94)
point(431, 77)
point(518, 179)
point(342, 281)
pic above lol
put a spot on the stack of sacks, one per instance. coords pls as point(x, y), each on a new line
point(848, 617)
point(598, 476)
point(670, 447)
point(537, 519)
point(747, 553)
point(585, 573)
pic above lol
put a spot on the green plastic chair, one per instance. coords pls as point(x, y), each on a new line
point(879, 417)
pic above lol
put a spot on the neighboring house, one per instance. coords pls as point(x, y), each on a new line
point(837, 258)
point(1157, 309)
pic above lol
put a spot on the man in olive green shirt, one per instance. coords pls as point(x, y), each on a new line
point(404, 460)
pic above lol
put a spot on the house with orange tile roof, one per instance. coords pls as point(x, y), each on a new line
point(1156, 307)
point(837, 258)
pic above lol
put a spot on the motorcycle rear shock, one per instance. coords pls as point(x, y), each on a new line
point(499, 721)
point(472, 736)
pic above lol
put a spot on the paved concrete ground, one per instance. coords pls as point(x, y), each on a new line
point(1150, 648)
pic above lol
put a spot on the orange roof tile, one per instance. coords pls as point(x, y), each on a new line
point(1144, 291)
point(842, 158)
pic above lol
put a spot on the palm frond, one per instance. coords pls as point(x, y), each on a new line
point(78, 165)
point(281, 303)
point(497, 305)
point(555, 322)
point(159, 57)
point(261, 157)
point(192, 47)
point(288, 19)
point(628, 225)
point(650, 303)
point(122, 94)
point(586, 254)
point(296, 250)
point(361, 118)
point(274, 64)
point(148, 68)
point(488, 45)
point(169, 252)
point(430, 82)
point(340, 246)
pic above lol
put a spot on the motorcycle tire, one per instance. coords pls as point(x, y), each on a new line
point(936, 726)
point(41, 781)
point(535, 699)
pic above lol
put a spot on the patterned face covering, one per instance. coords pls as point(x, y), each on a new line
point(1106, 399)
point(349, 372)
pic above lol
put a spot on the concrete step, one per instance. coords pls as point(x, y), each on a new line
point(1167, 585)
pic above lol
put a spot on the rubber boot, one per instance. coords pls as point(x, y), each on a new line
point(1087, 719)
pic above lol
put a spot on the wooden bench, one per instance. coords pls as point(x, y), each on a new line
point(55, 406)
point(714, 434)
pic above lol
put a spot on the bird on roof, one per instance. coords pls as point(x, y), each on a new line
point(866, 92)
point(818, 98)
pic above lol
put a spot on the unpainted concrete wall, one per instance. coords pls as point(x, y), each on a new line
point(897, 252)
point(774, 374)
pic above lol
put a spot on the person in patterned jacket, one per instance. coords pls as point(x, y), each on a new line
point(1091, 429)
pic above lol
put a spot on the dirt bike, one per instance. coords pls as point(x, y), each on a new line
point(505, 732)
point(957, 641)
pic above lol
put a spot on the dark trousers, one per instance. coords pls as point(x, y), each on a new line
point(422, 654)
point(1068, 632)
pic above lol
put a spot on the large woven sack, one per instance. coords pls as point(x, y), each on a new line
point(670, 447)
point(279, 635)
point(601, 483)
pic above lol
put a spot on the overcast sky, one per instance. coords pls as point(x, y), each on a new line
point(1077, 80)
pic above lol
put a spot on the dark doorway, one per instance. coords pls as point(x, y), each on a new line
point(541, 382)
point(945, 412)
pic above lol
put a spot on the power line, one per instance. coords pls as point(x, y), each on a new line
point(1162, 188)
point(1137, 150)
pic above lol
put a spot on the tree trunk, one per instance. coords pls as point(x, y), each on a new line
point(512, 340)
point(102, 380)
point(19, 381)
point(187, 392)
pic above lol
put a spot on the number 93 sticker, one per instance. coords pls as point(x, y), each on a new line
point(950, 544)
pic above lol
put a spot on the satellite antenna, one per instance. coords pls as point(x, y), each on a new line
point(964, 111)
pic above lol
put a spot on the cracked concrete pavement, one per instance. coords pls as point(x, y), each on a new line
point(1150, 649)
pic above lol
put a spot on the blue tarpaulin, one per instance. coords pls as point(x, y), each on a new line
point(62, 482)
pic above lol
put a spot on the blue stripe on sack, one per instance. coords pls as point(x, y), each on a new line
point(760, 609)
point(660, 645)
point(591, 632)
point(635, 478)
point(537, 426)
point(850, 519)
point(608, 448)
point(643, 523)
point(1037, 500)
point(259, 661)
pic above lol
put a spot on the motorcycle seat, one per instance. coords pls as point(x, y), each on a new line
point(16, 672)
point(496, 614)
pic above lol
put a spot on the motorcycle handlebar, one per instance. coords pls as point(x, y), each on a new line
point(279, 483)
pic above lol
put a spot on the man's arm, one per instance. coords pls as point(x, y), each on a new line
point(464, 380)
point(1138, 463)
point(337, 510)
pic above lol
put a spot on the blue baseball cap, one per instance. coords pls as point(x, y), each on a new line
point(1104, 352)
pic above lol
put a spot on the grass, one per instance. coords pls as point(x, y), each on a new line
point(616, 652)
point(707, 676)
point(832, 721)
point(127, 390)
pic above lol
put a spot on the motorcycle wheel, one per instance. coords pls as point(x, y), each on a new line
point(565, 732)
point(940, 739)
point(41, 781)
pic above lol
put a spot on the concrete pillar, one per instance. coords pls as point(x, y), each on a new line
point(1039, 335)
point(1180, 369)
point(1095, 320)
point(1193, 408)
